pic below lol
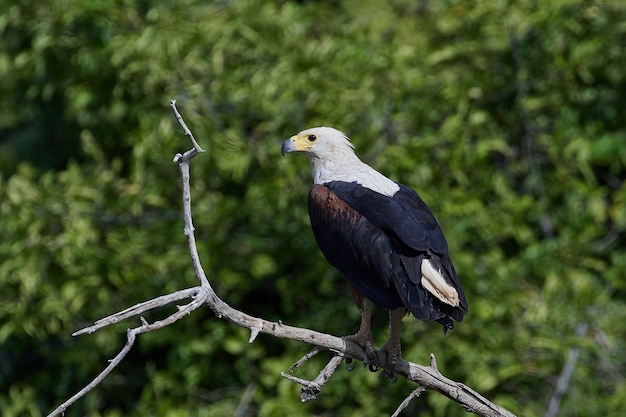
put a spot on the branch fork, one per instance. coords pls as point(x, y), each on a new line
point(311, 389)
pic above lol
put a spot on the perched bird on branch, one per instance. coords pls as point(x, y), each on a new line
point(382, 237)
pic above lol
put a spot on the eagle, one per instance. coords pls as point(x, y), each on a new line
point(382, 237)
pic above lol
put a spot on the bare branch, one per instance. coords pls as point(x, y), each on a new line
point(430, 378)
point(563, 381)
point(182, 123)
point(311, 389)
point(138, 309)
point(131, 336)
point(404, 404)
point(305, 358)
point(183, 166)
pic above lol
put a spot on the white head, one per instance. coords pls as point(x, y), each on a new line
point(333, 159)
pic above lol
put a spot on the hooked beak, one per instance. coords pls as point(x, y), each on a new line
point(288, 146)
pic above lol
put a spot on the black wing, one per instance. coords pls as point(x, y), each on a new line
point(404, 215)
point(353, 245)
point(394, 234)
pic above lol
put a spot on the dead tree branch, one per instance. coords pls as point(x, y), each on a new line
point(428, 377)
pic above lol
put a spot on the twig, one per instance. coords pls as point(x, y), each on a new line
point(566, 374)
point(311, 389)
point(404, 404)
point(305, 358)
point(138, 309)
point(186, 130)
point(242, 408)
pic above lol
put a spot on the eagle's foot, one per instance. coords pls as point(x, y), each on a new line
point(373, 364)
point(390, 376)
point(371, 358)
point(393, 353)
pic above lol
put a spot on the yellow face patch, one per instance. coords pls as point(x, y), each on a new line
point(303, 142)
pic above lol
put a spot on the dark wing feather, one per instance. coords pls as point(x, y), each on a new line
point(354, 246)
point(378, 242)
point(405, 215)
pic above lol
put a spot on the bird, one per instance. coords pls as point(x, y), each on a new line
point(383, 239)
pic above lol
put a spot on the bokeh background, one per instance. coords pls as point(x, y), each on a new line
point(507, 116)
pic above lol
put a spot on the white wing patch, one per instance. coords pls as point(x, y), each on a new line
point(437, 285)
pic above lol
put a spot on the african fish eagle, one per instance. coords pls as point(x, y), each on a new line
point(381, 236)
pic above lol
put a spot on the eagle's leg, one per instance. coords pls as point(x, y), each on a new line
point(363, 337)
point(393, 347)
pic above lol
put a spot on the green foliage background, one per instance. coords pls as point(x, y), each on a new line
point(507, 116)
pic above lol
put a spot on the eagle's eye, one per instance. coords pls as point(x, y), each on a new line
point(311, 138)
